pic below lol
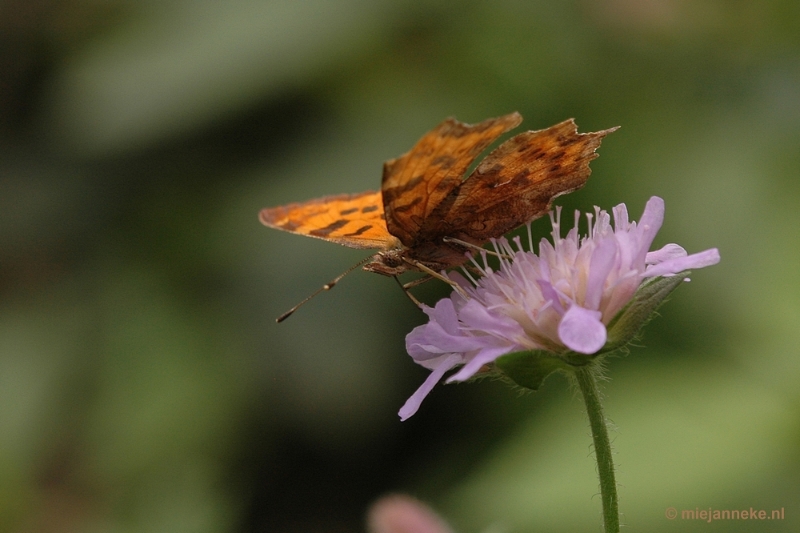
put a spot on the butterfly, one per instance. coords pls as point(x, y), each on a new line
point(426, 215)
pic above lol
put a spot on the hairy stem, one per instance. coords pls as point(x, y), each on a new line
point(602, 446)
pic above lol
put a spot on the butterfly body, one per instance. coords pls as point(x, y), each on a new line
point(424, 198)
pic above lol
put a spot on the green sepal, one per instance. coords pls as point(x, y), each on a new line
point(624, 327)
point(529, 369)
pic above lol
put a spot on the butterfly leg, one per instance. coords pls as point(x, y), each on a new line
point(415, 282)
point(407, 286)
point(438, 276)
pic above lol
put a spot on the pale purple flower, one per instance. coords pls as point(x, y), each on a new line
point(399, 513)
point(560, 300)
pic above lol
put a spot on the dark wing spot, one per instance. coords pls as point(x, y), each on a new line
point(327, 230)
point(443, 186)
point(558, 155)
point(521, 175)
point(532, 149)
point(359, 231)
point(348, 211)
point(406, 207)
point(569, 141)
point(369, 209)
point(555, 168)
point(290, 225)
point(393, 192)
point(444, 161)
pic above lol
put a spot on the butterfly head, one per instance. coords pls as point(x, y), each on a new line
point(389, 263)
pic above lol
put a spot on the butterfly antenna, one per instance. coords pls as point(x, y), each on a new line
point(328, 286)
point(475, 247)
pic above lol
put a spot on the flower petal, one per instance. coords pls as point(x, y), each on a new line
point(621, 222)
point(483, 357)
point(476, 316)
point(670, 267)
point(431, 340)
point(413, 403)
point(649, 224)
point(669, 251)
point(581, 330)
point(599, 268)
point(445, 314)
point(550, 295)
point(442, 334)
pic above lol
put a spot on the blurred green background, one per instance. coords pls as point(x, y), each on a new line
point(144, 385)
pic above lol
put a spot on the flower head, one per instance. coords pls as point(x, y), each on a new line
point(558, 301)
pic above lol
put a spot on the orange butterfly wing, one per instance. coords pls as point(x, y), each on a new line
point(424, 197)
point(415, 183)
point(516, 183)
point(354, 220)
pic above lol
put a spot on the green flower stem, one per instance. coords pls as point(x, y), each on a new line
point(602, 447)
